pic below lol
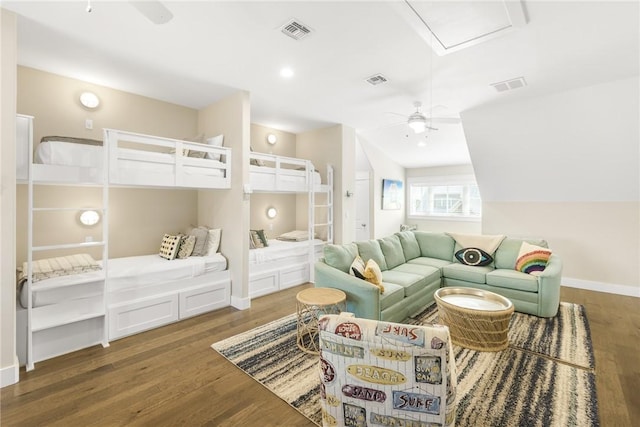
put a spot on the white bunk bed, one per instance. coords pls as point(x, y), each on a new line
point(283, 264)
point(127, 295)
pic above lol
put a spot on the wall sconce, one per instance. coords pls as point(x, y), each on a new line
point(349, 193)
point(90, 100)
point(89, 218)
point(271, 139)
point(271, 213)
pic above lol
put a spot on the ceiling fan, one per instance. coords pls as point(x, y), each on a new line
point(419, 123)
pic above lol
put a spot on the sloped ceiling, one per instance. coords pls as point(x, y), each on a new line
point(575, 146)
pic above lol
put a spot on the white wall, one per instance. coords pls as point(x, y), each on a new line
point(443, 225)
point(566, 167)
point(8, 61)
point(385, 222)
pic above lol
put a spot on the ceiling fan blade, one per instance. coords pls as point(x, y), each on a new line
point(155, 11)
point(444, 120)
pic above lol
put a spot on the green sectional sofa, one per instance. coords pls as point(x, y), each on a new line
point(415, 264)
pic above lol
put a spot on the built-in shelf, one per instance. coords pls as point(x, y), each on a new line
point(51, 316)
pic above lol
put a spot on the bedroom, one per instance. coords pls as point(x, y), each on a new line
point(608, 220)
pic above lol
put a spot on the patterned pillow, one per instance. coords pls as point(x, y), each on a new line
point(169, 246)
point(186, 247)
point(474, 256)
point(357, 268)
point(259, 238)
point(532, 259)
point(373, 274)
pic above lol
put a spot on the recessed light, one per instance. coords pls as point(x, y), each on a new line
point(422, 144)
point(286, 72)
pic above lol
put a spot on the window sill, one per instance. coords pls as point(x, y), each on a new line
point(444, 218)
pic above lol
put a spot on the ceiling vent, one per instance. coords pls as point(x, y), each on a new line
point(295, 29)
point(376, 79)
point(509, 84)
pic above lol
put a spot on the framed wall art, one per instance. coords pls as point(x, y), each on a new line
point(392, 194)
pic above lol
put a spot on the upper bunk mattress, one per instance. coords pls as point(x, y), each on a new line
point(124, 273)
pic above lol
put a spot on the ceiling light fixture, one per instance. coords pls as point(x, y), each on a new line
point(286, 72)
point(417, 122)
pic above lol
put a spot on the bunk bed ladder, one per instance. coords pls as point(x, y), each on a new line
point(327, 216)
point(52, 320)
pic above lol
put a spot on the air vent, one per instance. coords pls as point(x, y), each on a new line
point(376, 79)
point(295, 29)
point(509, 84)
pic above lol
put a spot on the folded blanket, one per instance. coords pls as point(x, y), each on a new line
point(294, 236)
point(58, 266)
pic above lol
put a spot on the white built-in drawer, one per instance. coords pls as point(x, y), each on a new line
point(294, 276)
point(204, 299)
point(130, 318)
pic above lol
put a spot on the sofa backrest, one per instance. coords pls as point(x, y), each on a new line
point(507, 253)
point(410, 246)
point(383, 373)
point(435, 245)
point(392, 250)
point(370, 249)
point(340, 256)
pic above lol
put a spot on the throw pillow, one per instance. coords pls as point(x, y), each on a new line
point(408, 227)
point(255, 162)
point(373, 274)
point(213, 241)
point(259, 239)
point(357, 268)
point(201, 234)
point(252, 244)
point(186, 246)
point(532, 259)
point(488, 243)
point(215, 141)
point(474, 256)
point(169, 246)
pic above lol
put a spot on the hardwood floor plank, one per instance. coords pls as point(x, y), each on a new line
point(170, 376)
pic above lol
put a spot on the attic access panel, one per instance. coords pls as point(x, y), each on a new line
point(454, 25)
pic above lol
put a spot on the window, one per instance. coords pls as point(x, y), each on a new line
point(445, 197)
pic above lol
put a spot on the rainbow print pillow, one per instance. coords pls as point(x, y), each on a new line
point(532, 259)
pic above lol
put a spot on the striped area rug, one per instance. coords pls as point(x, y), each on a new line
point(538, 381)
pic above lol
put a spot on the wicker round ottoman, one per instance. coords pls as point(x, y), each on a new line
point(477, 319)
point(311, 304)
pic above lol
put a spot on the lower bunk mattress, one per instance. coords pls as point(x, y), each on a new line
point(136, 273)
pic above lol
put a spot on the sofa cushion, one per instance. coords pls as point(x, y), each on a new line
point(370, 249)
point(507, 253)
point(435, 245)
point(392, 250)
point(433, 262)
point(467, 273)
point(410, 245)
point(512, 279)
point(393, 294)
point(430, 273)
point(340, 256)
point(412, 283)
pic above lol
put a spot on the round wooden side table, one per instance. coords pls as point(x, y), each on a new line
point(311, 304)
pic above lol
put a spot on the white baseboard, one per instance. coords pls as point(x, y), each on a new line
point(610, 288)
point(240, 303)
point(10, 374)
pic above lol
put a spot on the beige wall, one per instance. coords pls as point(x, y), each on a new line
point(598, 241)
point(54, 102)
point(229, 209)
point(8, 57)
point(335, 146)
point(284, 203)
point(139, 217)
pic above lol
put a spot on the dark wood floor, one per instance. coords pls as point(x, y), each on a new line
point(171, 377)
